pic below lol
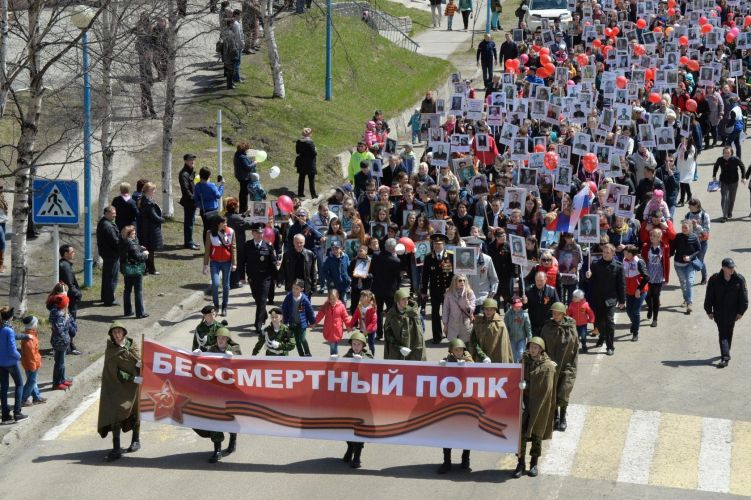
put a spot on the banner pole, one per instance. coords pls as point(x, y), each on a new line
point(140, 374)
point(521, 413)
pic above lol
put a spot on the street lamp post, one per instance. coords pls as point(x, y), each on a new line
point(82, 16)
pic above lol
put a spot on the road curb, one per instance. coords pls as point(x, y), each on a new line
point(39, 422)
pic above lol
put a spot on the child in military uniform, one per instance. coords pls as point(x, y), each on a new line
point(358, 350)
point(457, 354)
point(539, 403)
point(225, 344)
point(276, 337)
point(205, 335)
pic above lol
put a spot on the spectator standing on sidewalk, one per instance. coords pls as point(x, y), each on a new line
point(31, 361)
point(465, 6)
point(64, 327)
point(451, 9)
point(187, 178)
point(726, 302)
point(150, 222)
point(74, 294)
point(243, 167)
point(305, 163)
point(435, 12)
point(125, 207)
point(9, 357)
point(486, 56)
point(107, 241)
point(207, 196)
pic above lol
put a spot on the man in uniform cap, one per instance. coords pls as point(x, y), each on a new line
point(437, 273)
point(489, 340)
point(726, 302)
point(539, 403)
point(402, 330)
point(260, 266)
point(562, 343)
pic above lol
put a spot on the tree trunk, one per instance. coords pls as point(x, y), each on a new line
point(26, 143)
point(4, 85)
point(274, 61)
point(169, 111)
point(109, 38)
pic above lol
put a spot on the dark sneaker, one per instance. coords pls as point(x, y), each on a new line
point(19, 416)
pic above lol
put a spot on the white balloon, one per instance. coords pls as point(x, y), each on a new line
point(274, 172)
point(400, 249)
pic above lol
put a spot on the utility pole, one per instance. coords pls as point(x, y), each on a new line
point(328, 50)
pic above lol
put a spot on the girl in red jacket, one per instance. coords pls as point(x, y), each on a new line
point(365, 318)
point(335, 317)
point(580, 311)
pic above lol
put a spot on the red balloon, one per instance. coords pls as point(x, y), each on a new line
point(608, 32)
point(545, 59)
point(269, 235)
point(592, 187)
point(285, 203)
point(551, 160)
point(544, 51)
point(671, 11)
point(693, 65)
point(683, 40)
point(409, 245)
point(539, 148)
point(550, 68)
point(596, 43)
point(542, 73)
point(683, 60)
point(621, 82)
point(649, 74)
point(582, 59)
point(702, 21)
point(691, 105)
point(616, 30)
point(730, 38)
point(654, 97)
point(641, 24)
point(671, 3)
point(747, 21)
point(639, 49)
point(590, 162)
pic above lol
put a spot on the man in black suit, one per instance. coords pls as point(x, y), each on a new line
point(297, 263)
point(437, 273)
point(538, 300)
point(107, 242)
point(385, 269)
point(260, 266)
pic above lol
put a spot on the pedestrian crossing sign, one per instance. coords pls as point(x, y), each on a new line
point(55, 202)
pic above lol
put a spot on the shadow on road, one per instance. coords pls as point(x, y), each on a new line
point(319, 466)
point(682, 363)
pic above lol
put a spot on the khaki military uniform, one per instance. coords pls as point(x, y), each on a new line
point(490, 339)
point(284, 336)
point(403, 329)
point(539, 402)
point(205, 335)
point(562, 345)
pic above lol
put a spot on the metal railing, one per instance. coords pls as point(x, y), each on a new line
point(394, 29)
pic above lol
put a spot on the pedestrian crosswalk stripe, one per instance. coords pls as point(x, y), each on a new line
point(676, 457)
point(714, 455)
point(559, 456)
point(639, 448)
point(604, 429)
point(740, 478)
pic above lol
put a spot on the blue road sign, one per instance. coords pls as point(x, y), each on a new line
point(55, 202)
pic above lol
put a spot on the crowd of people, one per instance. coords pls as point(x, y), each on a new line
point(544, 201)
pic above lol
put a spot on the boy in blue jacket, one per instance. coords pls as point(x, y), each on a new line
point(297, 313)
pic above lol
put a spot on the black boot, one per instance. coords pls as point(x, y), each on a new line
point(135, 442)
point(116, 452)
point(347, 458)
point(520, 465)
point(465, 461)
point(446, 465)
point(217, 455)
point(232, 446)
point(563, 425)
point(557, 421)
point(355, 463)
point(532, 467)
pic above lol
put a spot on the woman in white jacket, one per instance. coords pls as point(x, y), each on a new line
point(686, 163)
point(458, 309)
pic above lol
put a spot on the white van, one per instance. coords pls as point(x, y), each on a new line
point(537, 10)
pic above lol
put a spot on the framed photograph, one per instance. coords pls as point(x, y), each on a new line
point(665, 138)
point(479, 184)
point(563, 179)
point(260, 211)
point(518, 249)
point(625, 207)
point(528, 177)
point(495, 115)
point(736, 67)
point(280, 216)
point(389, 148)
point(422, 249)
point(568, 263)
point(497, 99)
point(465, 260)
point(588, 229)
point(508, 132)
point(549, 238)
point(440, 106)
point(457, 104)
point(438, 225)
point(440, 153)
point(613, 192)
point(351, 246)
point(514, 199)
point(481, 142)
point(537, 160)
point(519, 149)
point(379, 230)
point(518, 35)
point(647, 135)
point(460, 143)
point(564, 154)
point(362, 267)
point(581, 144)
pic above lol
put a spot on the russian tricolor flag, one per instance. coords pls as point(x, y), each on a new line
point(580, 206)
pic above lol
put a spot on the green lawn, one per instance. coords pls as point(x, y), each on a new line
point(421, 19)
point(368, 73)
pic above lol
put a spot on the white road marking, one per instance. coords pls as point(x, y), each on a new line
point(55, 432)
point(558, 459)
point(714, 455)
point(639, 448)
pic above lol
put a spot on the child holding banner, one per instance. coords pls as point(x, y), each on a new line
point(357, 350)
point(457, 354)
point(276, 337)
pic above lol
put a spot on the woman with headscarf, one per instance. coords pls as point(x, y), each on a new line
point(118, 398)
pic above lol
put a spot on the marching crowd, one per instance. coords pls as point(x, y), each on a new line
point(544, 201)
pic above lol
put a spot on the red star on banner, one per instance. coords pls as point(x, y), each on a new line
point(168, 403)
